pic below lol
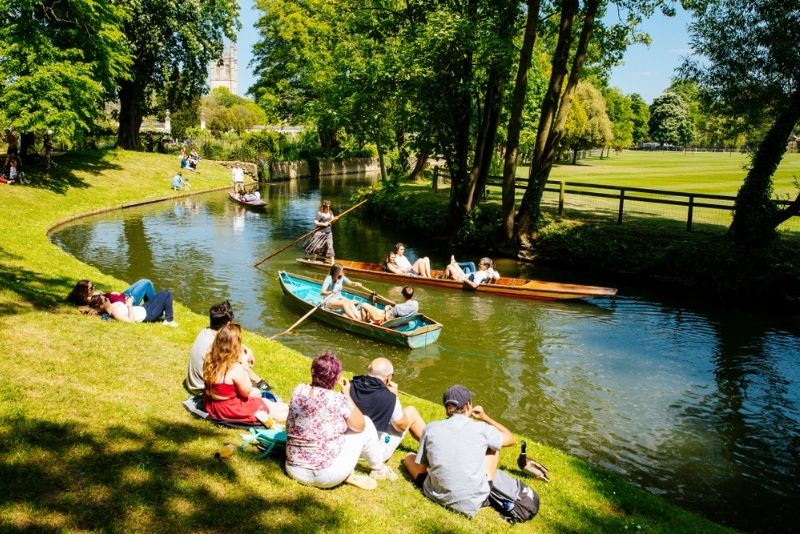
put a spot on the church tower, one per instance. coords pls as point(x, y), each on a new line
point(224, 71)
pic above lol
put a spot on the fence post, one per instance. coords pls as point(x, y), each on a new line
point(621, 204)
point(561, 199)
point(435, 179)
point(691, 212)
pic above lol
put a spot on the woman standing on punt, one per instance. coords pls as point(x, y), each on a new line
point(321, 242)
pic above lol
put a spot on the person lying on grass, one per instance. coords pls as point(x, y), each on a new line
point(158, 307)
point(141, 290)
point(230, 394)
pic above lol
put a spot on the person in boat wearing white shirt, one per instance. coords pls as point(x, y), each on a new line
point(331, 290)
point(421, 267)
point(484, 275)
point(237, 176)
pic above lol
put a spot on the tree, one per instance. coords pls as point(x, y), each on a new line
point(669, 121)
point(595, 130)
point(748, 56)
point(172, 42)
point(641, 119)
point(226, 112)
point(58, 62)
point(577, 26)
point(620, 113)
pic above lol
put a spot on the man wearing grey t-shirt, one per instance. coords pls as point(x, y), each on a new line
point(458, 456)
point(405, 309)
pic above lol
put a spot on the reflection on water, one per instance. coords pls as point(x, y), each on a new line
point(700, 404)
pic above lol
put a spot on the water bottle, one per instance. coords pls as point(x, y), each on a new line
point(226, 451)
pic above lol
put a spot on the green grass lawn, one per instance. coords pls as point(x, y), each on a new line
point(95, 439)
point(693, 172)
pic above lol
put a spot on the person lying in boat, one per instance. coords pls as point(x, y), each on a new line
point(484, 275)
point(376, 315)
point(331, 290)
point(390, 264)
point(421, 267)
point(250, 197)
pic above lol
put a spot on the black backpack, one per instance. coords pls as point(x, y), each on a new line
point(514, 500)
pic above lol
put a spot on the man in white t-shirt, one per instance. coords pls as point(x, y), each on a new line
point(237, 175)
point(219, 315)
point(376, 396)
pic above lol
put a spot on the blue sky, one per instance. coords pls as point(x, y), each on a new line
point(646, 70)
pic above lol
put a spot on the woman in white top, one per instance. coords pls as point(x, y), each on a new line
point(421, 267)
point(332, 292)
point(151, 312)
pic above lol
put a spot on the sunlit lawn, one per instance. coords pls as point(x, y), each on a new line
point(694, 172)
point(94, 437)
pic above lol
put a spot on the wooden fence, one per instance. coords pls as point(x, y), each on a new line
point(617, 200)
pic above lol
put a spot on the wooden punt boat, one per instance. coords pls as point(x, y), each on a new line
point(256, 204)
point(415, 331)
point(505, 287)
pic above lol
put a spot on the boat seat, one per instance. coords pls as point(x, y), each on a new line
point(400, 321)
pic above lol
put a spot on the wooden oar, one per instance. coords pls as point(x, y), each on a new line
point(345, 212)
point(303, 318)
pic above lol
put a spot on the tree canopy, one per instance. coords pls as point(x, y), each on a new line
point(747, 57)
point(172, 42)
point(670, 123)
point(59, 62)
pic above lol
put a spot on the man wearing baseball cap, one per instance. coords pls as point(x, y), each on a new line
point(458, 456)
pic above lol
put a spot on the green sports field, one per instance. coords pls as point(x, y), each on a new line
point(714, 173)
point(693, 172)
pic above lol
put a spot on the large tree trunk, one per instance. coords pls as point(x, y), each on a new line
point(756, 216)
point(528, 213)
point(419, 166)
point(459, 161)
point(130, 116)
point(492, 106)
point(554, 114)
point(515, 120)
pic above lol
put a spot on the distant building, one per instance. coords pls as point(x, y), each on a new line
point(223, 72)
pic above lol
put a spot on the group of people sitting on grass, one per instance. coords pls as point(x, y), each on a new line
point(332, 423)
point(396, 262)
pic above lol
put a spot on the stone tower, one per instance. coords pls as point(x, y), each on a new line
point(224, 71)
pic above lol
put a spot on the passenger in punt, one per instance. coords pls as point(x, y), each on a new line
point(321, 241)
point(421, 267)
point(390, 264)
point(327, 433)
point(485, 274)
point(458, 457)
point(229, 392)
point(377, 315)
point(331, 290)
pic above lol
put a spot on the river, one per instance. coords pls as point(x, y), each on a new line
point(693, 401)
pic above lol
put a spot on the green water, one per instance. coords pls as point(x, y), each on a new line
point(696, 402)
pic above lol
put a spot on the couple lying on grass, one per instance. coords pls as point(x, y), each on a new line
point(138, 304)
point(329, 431)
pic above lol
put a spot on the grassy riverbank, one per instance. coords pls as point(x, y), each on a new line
point(94, 436)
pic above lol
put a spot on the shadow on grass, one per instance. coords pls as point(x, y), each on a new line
point(58, 476)
point(42, 292)
point(61, 178)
